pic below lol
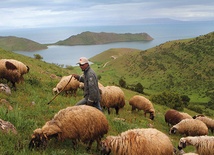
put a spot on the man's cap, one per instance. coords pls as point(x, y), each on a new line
point(82, 61)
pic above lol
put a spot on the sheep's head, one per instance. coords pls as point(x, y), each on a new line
point(152, 116)
point(182, 144)
point(105, 150)
point(173, 130)
point(38, 139)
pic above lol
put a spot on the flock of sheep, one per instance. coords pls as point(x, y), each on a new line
point(87, 124)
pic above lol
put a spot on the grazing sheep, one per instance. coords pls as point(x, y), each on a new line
point(83, 123)
point(173, 117)
point(23, 69)
point(72, 86)
point(13, 71)
point(142, 103)
point(112, 97)
point(204, 144)
point(5, 88)
point(138, 141)
point(190, 127)
point(208, 121)
point(7, 127)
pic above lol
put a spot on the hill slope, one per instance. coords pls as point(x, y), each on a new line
point(12, 43)
point(31, 111)
point(184, 66)
point(92, 38)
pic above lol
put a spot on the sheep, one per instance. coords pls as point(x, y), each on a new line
point(142, 103)
point(204, 144)
point(190, 153)
point(208, 121)
point(7, 127)
point(173, 117)
point(190, 127)
point(138, 141)
point(5, 88)
point(83, 123)
point(13, 71)
point(72, 86)
point(112, 97)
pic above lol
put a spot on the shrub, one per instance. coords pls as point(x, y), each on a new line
point(170, 99)
point(37, 56)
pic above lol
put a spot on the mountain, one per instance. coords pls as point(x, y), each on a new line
point(184, 66)
point(92, 38)
point(13, 43)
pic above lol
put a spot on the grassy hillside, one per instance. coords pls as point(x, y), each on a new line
point(183, 66)
point(12, 43)
point(31, 111)
point(92, 38)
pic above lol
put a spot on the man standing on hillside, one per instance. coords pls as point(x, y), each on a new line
point(91, 89)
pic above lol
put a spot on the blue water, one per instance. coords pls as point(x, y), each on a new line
point(69, 55)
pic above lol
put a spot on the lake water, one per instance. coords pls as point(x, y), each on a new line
point(69, 55)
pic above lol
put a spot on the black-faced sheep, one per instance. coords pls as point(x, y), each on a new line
point(190, 127)
point(72, 86)
point(173, 117)
point(13, 70)
point(83, 123)
point(204, 144)
point(142, 103)
point(112, 97)
point(137, 142)
point(208, 121)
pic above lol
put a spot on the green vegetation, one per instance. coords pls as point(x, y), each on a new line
point(12, 43)
point(168, 70)
point(92, 38)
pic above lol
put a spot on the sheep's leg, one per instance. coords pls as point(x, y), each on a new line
point(133, 108)
point(117, 110)
point(98, 143)
point(89, 145)
point(74, 144)
point(109, 111)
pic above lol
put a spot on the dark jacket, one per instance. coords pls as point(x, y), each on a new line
point(91, 89)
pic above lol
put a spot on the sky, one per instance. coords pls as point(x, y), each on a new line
point(62, 13)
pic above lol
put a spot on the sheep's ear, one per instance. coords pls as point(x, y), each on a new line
point(10, 66)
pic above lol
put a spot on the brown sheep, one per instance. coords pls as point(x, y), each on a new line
point(112, 97)
point(142, 103)
point(83, 123)
point(137, 142)
point(173, 117)
point(13, 71)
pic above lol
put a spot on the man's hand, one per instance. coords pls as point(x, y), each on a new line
point(76, 76)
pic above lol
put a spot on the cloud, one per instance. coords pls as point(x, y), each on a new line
point(40, 13)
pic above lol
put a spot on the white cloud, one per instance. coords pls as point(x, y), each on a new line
point(40, 13)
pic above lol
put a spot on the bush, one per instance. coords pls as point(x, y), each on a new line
point(122, 83)
point(170, 99)
point(37, 56)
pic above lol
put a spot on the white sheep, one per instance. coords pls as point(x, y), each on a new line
point(190, 127)
point(208, 121)
point(5, 88)
point(112, 97)
point(138, 141)
point(72, 86)
point(204, 144)
point(190, 153)
point(142, 103)
point(13, 70)
point(173, 116)
point(83, 123)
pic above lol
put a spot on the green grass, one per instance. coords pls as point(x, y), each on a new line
point(38, 86)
